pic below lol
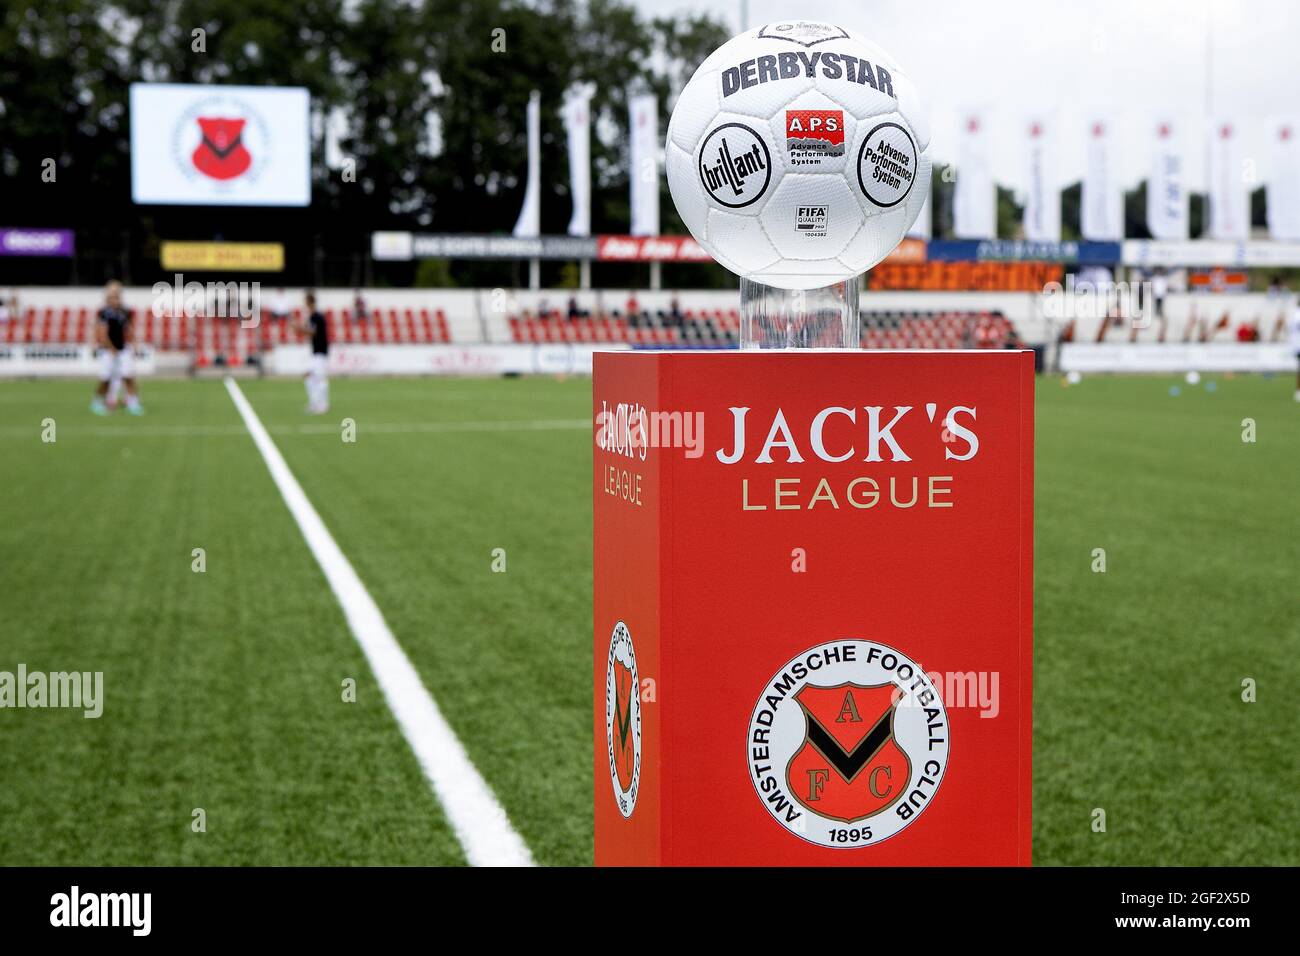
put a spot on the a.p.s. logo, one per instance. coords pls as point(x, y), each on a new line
point(813, 136)
point(623, 719)
point(848, 743)
point(221, 153)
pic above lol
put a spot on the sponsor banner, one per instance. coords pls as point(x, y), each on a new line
point(36, 242)
point(755, 703)
point(974, 198)
point(1042, 219)
point(1283, 205)
point(910, 250)
point(1229, 198)
point(1174, 357)
point(577, 129)
point(1209, 252)
point(650, 249)
point(222, 256)
point(461, 246)
point(1016, 250)
point(549, 359)
point(212, 145)
point(392, 246)
point(1102, 210)
point(404, 246)
point(644, 148)
point(62, 361)
point(963, 276)
point(1167, 198)
point(530, 216)
point(1218, 280)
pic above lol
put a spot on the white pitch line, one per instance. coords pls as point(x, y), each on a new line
point(479, 821)
point(380, 428)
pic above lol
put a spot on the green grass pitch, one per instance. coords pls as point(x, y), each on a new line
point(224, 688)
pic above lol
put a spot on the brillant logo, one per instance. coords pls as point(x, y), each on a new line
point(222, 142)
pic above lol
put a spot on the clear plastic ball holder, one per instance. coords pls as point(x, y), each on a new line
point(825, 318)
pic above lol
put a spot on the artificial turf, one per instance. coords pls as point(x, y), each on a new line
point(223, 688)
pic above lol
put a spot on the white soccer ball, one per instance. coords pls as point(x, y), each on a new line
point(797, 154)
point(1193, 378)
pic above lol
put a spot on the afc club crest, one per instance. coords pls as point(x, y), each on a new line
point(848, 743)
point(623, 719)
point(221, 140)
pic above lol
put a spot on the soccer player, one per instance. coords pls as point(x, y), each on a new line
point(318, 383)
point(1295, 345)
point(113, 329)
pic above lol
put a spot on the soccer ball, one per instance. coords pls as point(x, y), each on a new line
point(797, 154)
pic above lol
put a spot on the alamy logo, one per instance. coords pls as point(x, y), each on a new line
point(735, 165)
point(75, 690)
point(75, 908)
point(848, 743)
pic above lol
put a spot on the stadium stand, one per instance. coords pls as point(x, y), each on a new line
point(646, 319)
point(226, 341)
point(715, 328)
point(719, 328)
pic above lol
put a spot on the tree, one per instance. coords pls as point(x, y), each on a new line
point(424, 103)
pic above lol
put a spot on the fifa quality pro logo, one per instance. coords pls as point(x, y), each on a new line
point(623, 719)
point(735, 165)
point(848, 744)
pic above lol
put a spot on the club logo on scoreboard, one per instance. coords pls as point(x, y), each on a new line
point(811, 136)
point(221, 140)
point(848, 744)
point(735, 165)
point(221, 153)
point(623, 719)
point(887, 164)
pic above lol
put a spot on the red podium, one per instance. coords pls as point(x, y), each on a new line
point(813, 608)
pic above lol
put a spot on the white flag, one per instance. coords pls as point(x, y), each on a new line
point(530, 217)
point(1284, 180)
point(1102, 213)
point(1167, 216)
point(577, 127)
point(923, 227)
point(1043, 194)
point(644, 174)
point(1229, 200)
point(974, 201)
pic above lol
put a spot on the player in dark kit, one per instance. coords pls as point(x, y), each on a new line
point(113, 330)
point(318, 383)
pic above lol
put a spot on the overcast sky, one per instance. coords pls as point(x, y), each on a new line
point(1130, 59)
